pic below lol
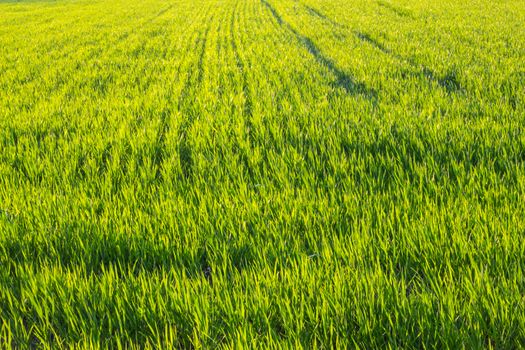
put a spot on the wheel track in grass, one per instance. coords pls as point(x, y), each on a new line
point(282, 82)
point(287, 88)
point(396, 9)
point(448, 81)
point(162, 12)
point(260, 25)
point(311, 71)
point(312, 11)
point(343, 80)
point(287, 83)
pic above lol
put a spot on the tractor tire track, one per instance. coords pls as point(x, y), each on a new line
point(343, 80)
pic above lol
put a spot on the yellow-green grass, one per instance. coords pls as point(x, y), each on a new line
point(262, 173)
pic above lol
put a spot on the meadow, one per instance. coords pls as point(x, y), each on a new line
point(262, 174)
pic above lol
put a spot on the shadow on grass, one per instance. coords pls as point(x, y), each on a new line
point(163, 11)
point(449, 81)
point(401, 12)
point(85, 247)
point(343, 80)
point(314, 12)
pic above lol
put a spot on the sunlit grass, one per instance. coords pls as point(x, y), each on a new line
point(262, 174)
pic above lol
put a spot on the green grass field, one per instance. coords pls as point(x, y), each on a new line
point(262, 174)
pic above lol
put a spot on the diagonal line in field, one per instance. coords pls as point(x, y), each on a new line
point(449, 81)
point(315, 12)
point(343, 80)
point(163, 11)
